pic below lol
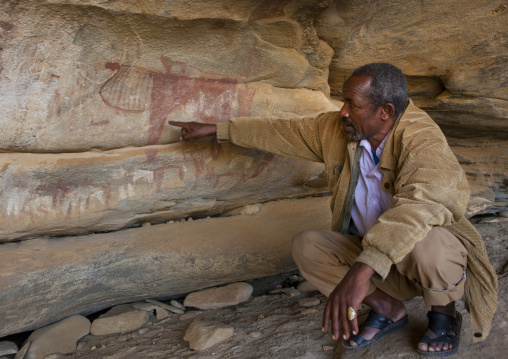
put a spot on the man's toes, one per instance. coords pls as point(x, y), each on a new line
point(446, 347)
point(352, 343)
point(423, 346)
point(439, 347)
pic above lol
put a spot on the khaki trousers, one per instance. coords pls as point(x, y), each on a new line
point(434, 269)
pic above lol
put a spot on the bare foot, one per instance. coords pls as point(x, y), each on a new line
point(383, 304)
point(440, 346)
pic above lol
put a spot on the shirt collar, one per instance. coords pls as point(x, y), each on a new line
point(379, 151)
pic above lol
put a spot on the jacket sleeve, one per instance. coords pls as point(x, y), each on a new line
point(431, 189)
point(298, 138)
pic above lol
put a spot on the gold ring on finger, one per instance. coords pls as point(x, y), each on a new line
point(351, 314)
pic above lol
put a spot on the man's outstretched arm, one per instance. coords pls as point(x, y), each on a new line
point(194, 130)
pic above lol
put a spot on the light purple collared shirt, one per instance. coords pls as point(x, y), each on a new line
point(371, 200)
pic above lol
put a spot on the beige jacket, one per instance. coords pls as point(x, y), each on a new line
point(428, 185)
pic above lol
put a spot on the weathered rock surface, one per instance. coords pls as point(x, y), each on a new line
point(160, 313)
point(58, 338)
point(7, 348)
point(64, 194)
point(86, 76)
point(102, 270)
point(457, 67)
point(89, 76)
point(213, 298)
point(202, 335)
point(120, 323)
point(309, 302)
point(485, 161)
point(81, 75)
point(171, 308)
point(306, 287)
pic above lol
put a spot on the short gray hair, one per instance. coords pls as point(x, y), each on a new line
point(388, 85)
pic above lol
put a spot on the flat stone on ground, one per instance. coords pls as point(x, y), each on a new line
point(202, 335)
point(290, 292)
point(121, 323)
point(214, 298)
point(57, 338)
point(306, 287)
point(309, 302)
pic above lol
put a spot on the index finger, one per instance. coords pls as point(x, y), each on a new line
point(178, 123)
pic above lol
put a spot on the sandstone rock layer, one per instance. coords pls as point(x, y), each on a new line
point(85, 274)
point(453, 53)
point(64, 194)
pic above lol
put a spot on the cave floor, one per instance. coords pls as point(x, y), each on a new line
point(273, 325)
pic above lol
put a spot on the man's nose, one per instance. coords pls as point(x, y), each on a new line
point(344, 111)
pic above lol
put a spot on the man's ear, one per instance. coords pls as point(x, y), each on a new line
point(387, 111)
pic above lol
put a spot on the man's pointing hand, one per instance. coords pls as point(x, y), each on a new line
point(193, 130)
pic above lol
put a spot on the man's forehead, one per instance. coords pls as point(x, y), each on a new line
point(357, 85)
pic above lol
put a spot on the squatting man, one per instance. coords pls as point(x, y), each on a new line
point(398, 198)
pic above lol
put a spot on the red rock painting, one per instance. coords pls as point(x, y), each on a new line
point(206, 99)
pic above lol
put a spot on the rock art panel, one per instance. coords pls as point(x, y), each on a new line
point(209, 100)
point(64, 194)
point(76, 77)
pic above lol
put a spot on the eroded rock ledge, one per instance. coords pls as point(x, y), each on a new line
point(55, 278)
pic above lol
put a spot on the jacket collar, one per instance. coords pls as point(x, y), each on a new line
point(388, 160)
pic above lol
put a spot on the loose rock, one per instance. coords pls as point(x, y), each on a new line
point(166, 306)
point(202, 335)
point(254, 334)
point(177, 304)
point(308, 311)
point(290, 292)
point(214, 298)
point(121, 323)
point(306, 287)
point(309, 302)
point(160, 313)
point(7, 348)
point(58, 338)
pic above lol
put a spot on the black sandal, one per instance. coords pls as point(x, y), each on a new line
point(441, 324)
point(378, 321)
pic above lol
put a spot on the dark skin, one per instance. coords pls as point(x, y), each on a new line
point(195, 130)
point(361, 121)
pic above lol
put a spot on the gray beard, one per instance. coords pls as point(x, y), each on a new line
point(356, 136)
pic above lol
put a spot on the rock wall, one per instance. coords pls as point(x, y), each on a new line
point(454, 54)
point(87, 88)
